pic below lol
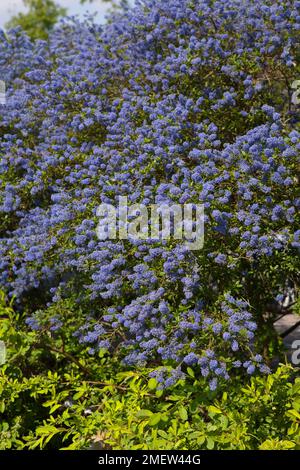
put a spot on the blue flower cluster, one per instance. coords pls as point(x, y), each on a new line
point(173, 101)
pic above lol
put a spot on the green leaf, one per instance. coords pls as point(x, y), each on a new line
point(200, 440)
point(224, 421)
point(54, 408)
point(152, 384)
point(144, 414)
point(2, 353)
point(48, 429)
point(163, 434)
point(183, 413)
point(287, 444)
point(293, 413)
point(214, 409)
point(78, 395)
point(210, 443)
point(155, 419)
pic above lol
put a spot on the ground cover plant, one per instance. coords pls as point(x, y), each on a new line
point(176, 101)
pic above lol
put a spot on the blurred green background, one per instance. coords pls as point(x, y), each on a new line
point(38, 17)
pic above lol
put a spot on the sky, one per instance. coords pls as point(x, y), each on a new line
point(8, 8)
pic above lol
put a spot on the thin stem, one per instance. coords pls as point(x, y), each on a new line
point(72, 359)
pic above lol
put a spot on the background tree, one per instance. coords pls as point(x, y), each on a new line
point(40, 18)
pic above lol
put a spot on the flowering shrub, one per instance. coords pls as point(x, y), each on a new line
point(174, 101)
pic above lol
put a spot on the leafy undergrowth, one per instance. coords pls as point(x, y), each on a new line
point(51, 399)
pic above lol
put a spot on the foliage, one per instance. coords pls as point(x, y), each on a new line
point(174, 101)
point(49, 401)
point(40, 19)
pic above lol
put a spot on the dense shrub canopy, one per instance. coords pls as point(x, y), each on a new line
point(174, 101)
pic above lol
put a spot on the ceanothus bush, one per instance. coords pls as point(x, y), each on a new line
point(173, 101)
